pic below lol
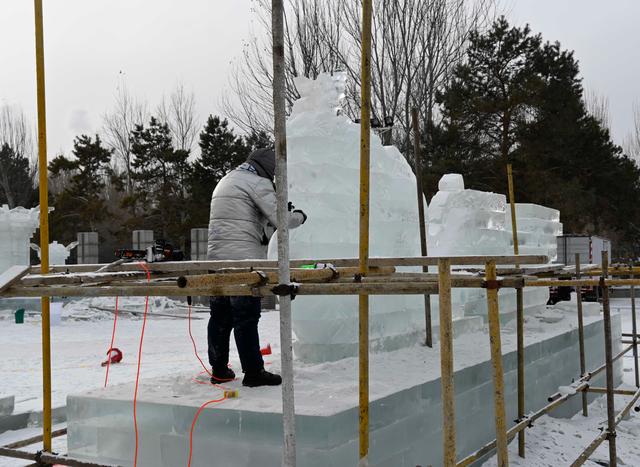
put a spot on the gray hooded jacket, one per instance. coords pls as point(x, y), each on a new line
point(243, 213)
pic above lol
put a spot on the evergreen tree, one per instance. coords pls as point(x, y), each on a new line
point(220, 152)
point(519, 100)
point(161, 174)
point(16, 179)
point(80, 205)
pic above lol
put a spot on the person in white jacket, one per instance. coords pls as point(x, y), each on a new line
point(242, 220)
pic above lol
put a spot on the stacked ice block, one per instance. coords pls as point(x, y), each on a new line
point(405, 424)
point(471, 222)
point(323, 168)
point(17, 226)
point(538, 227)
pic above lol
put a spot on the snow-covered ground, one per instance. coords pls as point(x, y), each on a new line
point(80, 342)
point(554, 442)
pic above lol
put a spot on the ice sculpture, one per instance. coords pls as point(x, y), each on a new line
point(58, 253)
point(323, 150)
point(471, 222)
point(17, 226)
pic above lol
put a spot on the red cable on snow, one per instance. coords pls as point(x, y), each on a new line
point(113, 336)
point(135, 393)
point(195, 349)
point(193, 425)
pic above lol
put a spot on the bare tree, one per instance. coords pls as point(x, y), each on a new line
point(415, 45)
point(632, 140)
point(117, 125)
point(179, 113)
point(17, 164)
point(598, 106)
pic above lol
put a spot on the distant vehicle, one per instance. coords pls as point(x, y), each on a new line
point(590, 248)
point(160, 251)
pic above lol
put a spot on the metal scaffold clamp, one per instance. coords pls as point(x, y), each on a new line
point(282, 290)
point(492, 284)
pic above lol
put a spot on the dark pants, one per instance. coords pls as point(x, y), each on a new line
point(242, 315)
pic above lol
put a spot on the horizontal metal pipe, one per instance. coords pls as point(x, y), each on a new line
point(554, 401)
point(589, 450)
point(338, 262)
point(45, 458)
point(35, 439)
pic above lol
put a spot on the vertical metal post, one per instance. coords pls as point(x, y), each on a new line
point(44, 224)
point(446, 363)
point(519, 314)
point(421, 219)
point(284, 274)
point(496, 361)
point(608, 353)
point(634, 329)
point(363, 300)
point(583, 366)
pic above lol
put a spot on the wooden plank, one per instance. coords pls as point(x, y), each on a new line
point(12, 275)
point(178, 266)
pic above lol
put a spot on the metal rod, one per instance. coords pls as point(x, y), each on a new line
point(496, 360)
point(583, 367)
point(554, 400)
point(634, 330)
point(205, 266)
point(363, 258)
point(606, 433)
point(34, 439)
point(519, 313)
point(282, 195)
point(611, 425)
point(45, 458)
point(520, 355)
point(421, 220)
point(44, 224)
point(446, 364)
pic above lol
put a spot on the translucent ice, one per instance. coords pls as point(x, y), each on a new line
point(16, 229)
point(323, 167)
point(58, 253)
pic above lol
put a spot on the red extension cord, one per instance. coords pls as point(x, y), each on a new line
point(135, 394)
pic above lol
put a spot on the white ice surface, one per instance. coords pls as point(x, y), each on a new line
point(324, 171)
point(79, 346)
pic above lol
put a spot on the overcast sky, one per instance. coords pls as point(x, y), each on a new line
point(93, 46)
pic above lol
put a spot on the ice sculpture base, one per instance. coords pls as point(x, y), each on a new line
point(405, 406)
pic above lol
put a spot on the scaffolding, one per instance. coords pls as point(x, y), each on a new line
point(362, 276)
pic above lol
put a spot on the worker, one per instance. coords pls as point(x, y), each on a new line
point(242, 220)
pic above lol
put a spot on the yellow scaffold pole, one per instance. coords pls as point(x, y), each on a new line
point(363, 300)
point(44, 225)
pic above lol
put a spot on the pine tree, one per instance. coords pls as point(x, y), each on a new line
point(16, 179)
point(519, 100)
point(220, 152)
point(81, 204)
point(161, 174)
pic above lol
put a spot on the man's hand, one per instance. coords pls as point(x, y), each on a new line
point(302, 216)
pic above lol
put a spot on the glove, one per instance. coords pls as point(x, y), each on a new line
point(301, 212)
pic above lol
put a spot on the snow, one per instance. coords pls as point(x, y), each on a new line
point(557, 441)
point(79, 345)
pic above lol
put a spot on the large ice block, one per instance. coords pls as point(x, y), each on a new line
point(17, 226)
point(405, 409)
point(323, 168)
point(470, 222)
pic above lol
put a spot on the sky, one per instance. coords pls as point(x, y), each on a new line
point(92, 47)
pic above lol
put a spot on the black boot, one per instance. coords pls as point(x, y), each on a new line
point(222, 375)
point(261, 378)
